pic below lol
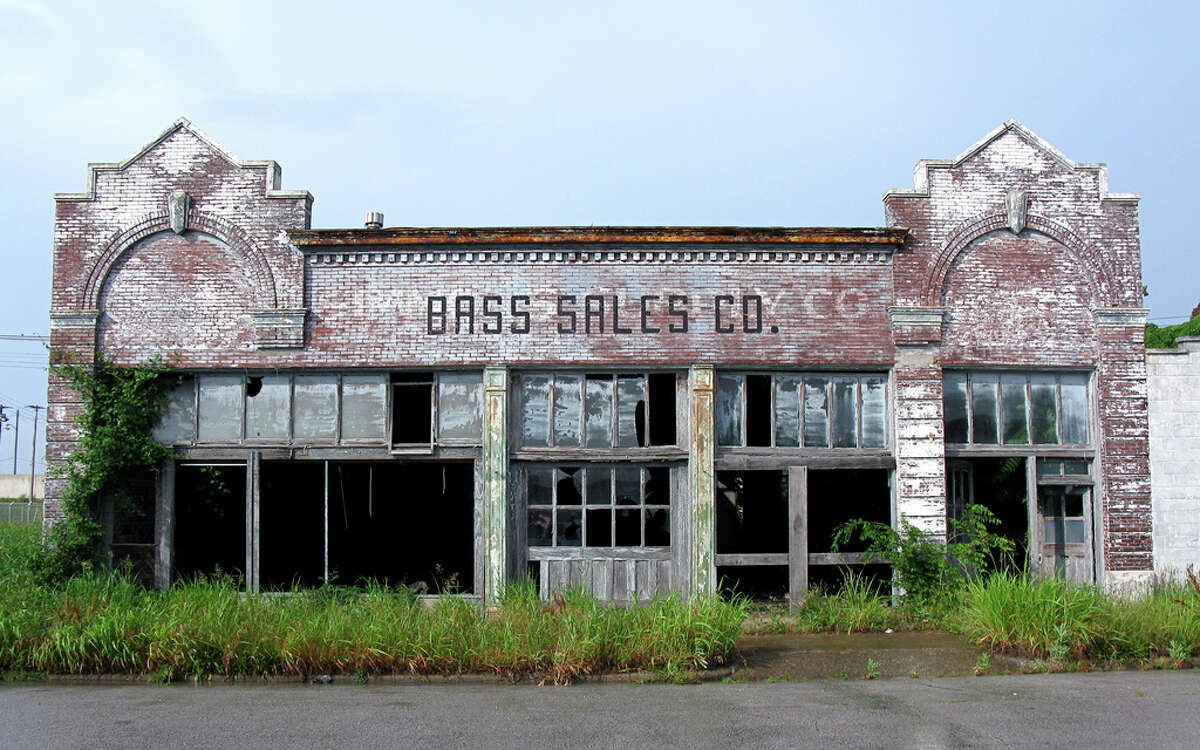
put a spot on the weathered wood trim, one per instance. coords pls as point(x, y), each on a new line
point(495, 482)
point(253, 473)
point(614, 456)
point(701, 476)
point(615, 553)
point(842, 558)
point(748, 558)
point(781, 460)
point(798, 535)
point(1004, 451)
point(164, 523)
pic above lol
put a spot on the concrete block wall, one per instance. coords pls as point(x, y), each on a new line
point(1174, 400)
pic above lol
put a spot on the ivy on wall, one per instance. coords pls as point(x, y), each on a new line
point(120, 409)
point(1166, 336)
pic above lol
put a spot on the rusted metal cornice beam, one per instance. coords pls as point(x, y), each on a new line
point(578, 235)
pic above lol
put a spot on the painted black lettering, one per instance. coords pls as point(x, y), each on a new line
point(496, 316)
point(591, 311)
point(677, 312)
point(520, 317)
point(617, 318)
point(727, 299)
point(435, 316)
point(567, 314)
point(752, 301)
point(646, 314)
point(464, 309)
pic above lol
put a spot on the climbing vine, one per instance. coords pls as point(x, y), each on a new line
point(120, 408)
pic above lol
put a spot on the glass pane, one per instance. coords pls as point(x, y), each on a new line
point(1078, 466)
point(1073, 504)
point(535, 410)
point(270, 408)
point(1075, 530)
point(629, 527)
point(220, 408)
point(729, 410)
point(1050, 529)
point(845, 412)
point(787, 411)
point(954, 404)
point(658, 486)
point(570, 527)
point(983, 409)
point(816, 413)
point(1012, 392)
point(598, 405)
point(538, 490)
point(176, 422)
point(315, 407)
point(539, 533)
point(628, 485)
point(874, 412)
point(569, 485)
point(658, 528)
point(599, 527)
point(460, 406)
point(599, 485)
point(364, 407)
point(1042, 410)
point(568, 410)
point(1074, 408)
point(631, 411)
point(1049, 467)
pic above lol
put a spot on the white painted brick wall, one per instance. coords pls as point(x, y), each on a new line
point(1174, 402)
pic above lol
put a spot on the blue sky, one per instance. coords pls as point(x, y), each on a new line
point(751, 113)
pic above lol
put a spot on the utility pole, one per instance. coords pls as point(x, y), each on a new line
point(33, 448)
point(16, 436)
point(3, 420)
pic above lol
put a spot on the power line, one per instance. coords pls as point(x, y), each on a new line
point(37, 337)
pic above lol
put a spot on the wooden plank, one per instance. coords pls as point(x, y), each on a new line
point(665, 578)
point(618, 553)
point(797, 534)
point(647, 579)
point(602, 571)
point(763, 558)
point(479, 524)
point(840, 558)
point(165, 525)
point(781, 459)
point(657, 454)
point(581, 574)
point(1004, 451)
point(544, 580)
point(253, 473)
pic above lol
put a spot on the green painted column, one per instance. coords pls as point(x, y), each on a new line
point(495, 482)
point(700, 474)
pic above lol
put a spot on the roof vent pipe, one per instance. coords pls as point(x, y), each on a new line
point(374, 220)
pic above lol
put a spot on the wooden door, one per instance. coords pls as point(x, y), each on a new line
point(1064, 532)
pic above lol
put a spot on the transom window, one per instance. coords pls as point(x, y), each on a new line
point(597, 410)
point(598, 506)
point(990, 408)
point(789, 410)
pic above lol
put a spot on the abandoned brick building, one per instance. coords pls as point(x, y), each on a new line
point(634, 409)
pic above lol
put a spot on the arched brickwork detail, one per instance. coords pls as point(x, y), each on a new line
point(237, 240)
point(1099, 277)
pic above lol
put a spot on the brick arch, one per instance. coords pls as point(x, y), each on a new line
point(1099, 279)
point(233, 237)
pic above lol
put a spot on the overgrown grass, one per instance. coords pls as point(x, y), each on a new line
point(107, 623)
point(1060, 621)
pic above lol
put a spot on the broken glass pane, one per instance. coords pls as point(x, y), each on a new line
point(874, 411)
point(538, 485)
point(658, 528)
point(535, 410)
point(598, 404)
point(568, 485)
point(220, 408)
point(315, 407)
point(631, 411)
point(954, 405)
point(570, 527)
point(787, 411)
point(269, 408)
point(1041, 406)
point(628, 481)
point(460, 406)
point(658, 485)
point(984, 424)
point(1012, 393)
point(629, 527)
point(364, 407)
point(816, 413)
point(568, 410)
point(599, 527)
point(177, 421)
point(1074, 408)
point(729, 409)
point(599, 486)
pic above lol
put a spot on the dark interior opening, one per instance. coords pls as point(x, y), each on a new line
point(412, 411)
point(752, 512)
point(210, 520)
point(661, 389)
point(759, 582)
point(398, 523)
point(1000, 486)
point(758, 410)
point(831, 579)
point(841, 495)
point(254, 385)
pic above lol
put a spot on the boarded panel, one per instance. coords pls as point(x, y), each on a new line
point(315, 407)
point(220, 418)
point(177, 422)
point(364, 407)
point(460, 406)
point(269, 410)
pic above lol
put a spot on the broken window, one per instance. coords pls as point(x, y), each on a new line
point(268, 402)
point(787, 410)
point(412, 408)
point(598, 506)
point(604, 411)
point(1016, 408)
